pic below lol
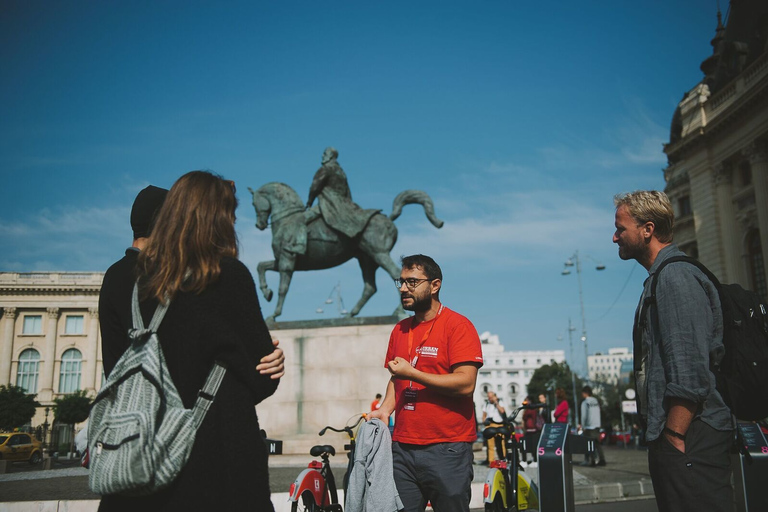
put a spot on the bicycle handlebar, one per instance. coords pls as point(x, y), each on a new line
point(347, 429)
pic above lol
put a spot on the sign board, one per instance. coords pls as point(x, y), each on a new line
point(629, 407)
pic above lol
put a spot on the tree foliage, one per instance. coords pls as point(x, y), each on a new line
point(548, 377)
point(72, 408)
point(16, 407)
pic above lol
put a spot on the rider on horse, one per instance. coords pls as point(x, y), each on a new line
point(335, 203)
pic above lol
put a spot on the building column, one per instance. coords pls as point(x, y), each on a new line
point(6, 345)
point(47, 364)
point(90, 372)
point(757, 152)
point(732, 246)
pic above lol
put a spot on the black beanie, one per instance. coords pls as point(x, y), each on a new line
point(145, 207)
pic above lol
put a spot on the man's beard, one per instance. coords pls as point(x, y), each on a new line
point(632, 251)
point(419, 303)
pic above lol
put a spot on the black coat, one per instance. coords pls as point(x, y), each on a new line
point(227, 469)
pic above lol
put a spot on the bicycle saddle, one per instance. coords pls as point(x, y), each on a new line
point(494, 431)
point(320, 449)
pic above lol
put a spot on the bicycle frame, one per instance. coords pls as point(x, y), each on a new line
point(318, 480)
point(506, 489)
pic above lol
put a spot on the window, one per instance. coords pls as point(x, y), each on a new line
point(511, 362)
point(69, 378)
point(74, 324)
point(33, 324)
point(513, 389)
point(684, 206)
point(26, 376)
point(512, 374)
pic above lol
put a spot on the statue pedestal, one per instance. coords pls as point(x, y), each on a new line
point(334, 368)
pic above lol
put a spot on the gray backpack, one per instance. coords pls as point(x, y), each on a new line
point(139, 433)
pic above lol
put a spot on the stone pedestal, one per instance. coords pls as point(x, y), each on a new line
point(334, 368)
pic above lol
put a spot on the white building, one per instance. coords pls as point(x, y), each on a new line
point(607, 367)
point(508, 373)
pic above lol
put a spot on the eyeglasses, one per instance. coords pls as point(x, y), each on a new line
point(412, 283)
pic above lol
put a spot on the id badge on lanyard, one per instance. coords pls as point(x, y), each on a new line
point(411, 394)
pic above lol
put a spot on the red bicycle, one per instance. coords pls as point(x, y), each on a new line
point(316, 485)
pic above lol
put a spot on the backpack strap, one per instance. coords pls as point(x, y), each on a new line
point(206, 395)
point(651, 300)
point(139, 332)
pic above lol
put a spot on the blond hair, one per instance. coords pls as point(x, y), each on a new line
point(649, 206)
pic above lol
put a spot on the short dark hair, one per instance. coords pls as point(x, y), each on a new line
point(587, 390)
point(427, 264)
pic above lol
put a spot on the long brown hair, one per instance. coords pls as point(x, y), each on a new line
point(193, 231)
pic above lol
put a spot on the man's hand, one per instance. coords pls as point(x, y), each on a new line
point(400, 368)
point(675, 441)
point(273, 364)
point(378, 413)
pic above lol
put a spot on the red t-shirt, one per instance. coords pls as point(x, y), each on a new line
point(436, 418)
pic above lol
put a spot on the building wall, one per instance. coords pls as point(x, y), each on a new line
point(721, 165)
point(508, 373)
point(607, 367)
point(60, 312)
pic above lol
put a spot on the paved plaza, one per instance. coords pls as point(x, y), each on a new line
point(625, 477)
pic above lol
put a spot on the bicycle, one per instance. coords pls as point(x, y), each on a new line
point(508, 487)
point(316, 485)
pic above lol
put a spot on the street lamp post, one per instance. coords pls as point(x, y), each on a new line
point(576, 414)
point(566, 271)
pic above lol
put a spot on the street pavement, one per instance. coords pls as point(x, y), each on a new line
point(625, 477)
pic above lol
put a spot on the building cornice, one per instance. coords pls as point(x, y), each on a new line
point(705, 116)
point(50, 283)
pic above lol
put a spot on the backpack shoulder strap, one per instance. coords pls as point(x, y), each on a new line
point(696, 263)
point(138, 322)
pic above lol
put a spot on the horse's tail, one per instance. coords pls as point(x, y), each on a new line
point(415, 197)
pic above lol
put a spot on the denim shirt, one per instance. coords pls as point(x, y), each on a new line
point(676, 348)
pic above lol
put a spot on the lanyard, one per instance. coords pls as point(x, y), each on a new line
point(413, 355)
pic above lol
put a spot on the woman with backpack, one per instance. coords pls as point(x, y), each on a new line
point(213, 316)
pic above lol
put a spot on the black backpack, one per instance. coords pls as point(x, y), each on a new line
point(742, 371)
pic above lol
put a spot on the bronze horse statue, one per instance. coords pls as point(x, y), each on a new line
point(300, 242)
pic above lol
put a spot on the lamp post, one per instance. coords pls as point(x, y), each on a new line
point(576, 414)
point(566, 271)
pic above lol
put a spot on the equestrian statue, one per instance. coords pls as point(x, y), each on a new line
point(330, 233)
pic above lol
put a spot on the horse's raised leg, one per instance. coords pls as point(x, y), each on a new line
point(282, 291)
point(384, 260)
point(261, 269)
point(368, 266)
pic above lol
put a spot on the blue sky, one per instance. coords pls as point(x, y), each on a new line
point(520, 119)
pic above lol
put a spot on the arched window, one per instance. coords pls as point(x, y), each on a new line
point(756, 264)
point(69, 378)
point(513, 389)
point(26, 377)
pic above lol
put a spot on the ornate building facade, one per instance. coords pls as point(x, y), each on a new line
point(717, 174)
point(508, 373)
point(49, 335)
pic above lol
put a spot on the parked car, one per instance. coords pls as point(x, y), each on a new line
point(20, 446)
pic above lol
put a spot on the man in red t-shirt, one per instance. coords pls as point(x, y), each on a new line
point(433, 358)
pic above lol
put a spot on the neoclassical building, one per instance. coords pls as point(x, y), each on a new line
point(717, 174)
point(49, 334)
point(507, 373)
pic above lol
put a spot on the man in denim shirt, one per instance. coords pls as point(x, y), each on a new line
point(688, 425)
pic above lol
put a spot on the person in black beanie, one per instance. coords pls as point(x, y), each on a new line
point(116, 288)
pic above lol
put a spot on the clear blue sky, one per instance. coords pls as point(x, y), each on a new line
point(520, 119)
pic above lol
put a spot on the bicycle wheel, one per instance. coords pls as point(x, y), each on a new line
point(308, 503)
point(496, 506)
